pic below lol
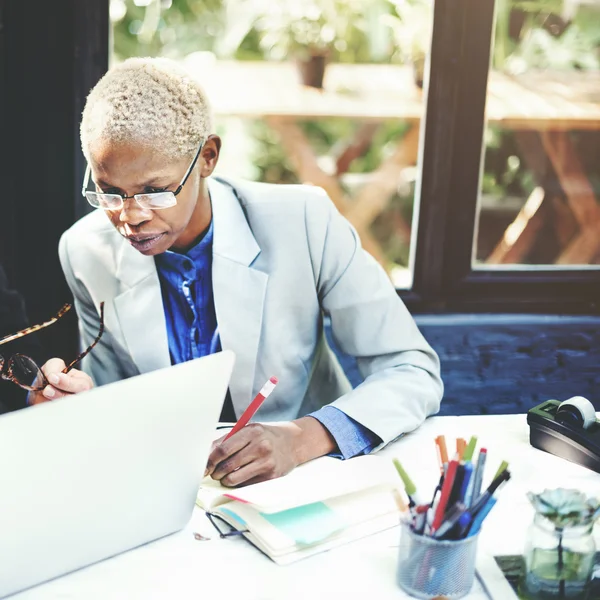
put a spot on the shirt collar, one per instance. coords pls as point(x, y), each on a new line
point(198, 254)
point(203, 247)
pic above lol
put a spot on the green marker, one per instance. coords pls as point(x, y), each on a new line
point(503, 466)
point(470, 449)
point(409, 486)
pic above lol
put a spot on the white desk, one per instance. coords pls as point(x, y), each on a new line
point(179, 567)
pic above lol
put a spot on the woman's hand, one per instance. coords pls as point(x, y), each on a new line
point(61, 384)
point(259, 451)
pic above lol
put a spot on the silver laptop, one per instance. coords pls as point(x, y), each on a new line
point(92, 475)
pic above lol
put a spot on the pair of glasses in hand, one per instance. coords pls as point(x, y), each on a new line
point(23, 370)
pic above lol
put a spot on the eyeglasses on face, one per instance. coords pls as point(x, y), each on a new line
point(151, 200)
point(23, 370)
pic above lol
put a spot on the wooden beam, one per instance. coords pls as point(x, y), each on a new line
point(359, 145)
point(563, 221)
point(580, 197)
point(531, 147)
point(374, 197)
point(521, 234)
point(301, 154)
point(582, 250)
point(572, 177)
point(298, 148)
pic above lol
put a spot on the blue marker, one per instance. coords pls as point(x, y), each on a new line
point(463, 525)
point(480, 516)
point(465, 482)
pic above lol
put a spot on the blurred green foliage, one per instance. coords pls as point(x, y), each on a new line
point(174, 28)
point(251, 29)
point(552, 34)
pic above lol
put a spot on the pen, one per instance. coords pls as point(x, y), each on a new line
point(420, 518)
point(462, 526)
point(437, 489)
point(468, 453)
point(445, 495)
point(409, 486)
point(479, 511)
point(452, 518)
point(483, 499)
point(478, 476)
point(502, 467)
point(457, 487)
point(254, 406)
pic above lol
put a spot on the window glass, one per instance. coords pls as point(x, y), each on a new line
point(540, 185)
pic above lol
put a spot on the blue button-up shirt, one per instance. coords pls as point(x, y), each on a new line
point(187, 293)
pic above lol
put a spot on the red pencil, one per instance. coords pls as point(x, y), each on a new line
point(446, 489)
point(254, 406)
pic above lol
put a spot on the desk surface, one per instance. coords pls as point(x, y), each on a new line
point(537, 100)
point(179, 567)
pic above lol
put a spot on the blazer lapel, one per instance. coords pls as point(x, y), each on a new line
point(239, 290)
point(140, 311)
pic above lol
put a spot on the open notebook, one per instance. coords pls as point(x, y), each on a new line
point(319, 505)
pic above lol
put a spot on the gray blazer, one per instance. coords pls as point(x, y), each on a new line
point(283, 258)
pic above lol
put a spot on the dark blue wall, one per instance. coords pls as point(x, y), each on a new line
point(494, 364)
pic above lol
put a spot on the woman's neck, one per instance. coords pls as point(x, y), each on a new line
point(198, 223)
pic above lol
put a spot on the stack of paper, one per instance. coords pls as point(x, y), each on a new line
point(318, 506)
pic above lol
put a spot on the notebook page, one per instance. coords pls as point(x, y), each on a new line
point(352, 533)
point(309, 525)
point(317, 480)
point(211, 494)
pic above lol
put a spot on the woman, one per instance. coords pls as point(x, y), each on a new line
point(188, 264)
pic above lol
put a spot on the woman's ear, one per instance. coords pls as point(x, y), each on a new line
point(210, 155)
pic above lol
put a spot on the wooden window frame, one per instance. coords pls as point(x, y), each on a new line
point(452, 154)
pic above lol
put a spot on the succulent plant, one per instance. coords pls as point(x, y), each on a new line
point(566, 507)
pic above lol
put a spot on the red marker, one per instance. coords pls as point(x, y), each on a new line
point(254, 406)
point(445, 495)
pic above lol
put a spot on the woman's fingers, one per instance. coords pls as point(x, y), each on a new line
point(61, 384)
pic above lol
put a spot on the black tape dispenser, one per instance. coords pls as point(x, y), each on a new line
point(567, 429)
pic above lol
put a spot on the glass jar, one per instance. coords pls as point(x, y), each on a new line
point(558, 561)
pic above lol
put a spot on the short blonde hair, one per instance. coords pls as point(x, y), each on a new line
point(152, 101)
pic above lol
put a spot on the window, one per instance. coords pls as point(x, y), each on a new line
point(454, 237)
point(541, 178)
point(327, 92)
point(477, 193)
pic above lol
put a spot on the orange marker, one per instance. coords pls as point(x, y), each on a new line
point(461, 444)
point(440, 442)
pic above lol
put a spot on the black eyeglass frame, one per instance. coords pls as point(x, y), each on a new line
point(88, 171)
point(214, 519)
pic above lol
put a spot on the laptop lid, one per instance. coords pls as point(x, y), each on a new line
point(89, 476)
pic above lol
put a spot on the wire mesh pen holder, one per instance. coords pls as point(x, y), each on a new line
point(428, 568)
